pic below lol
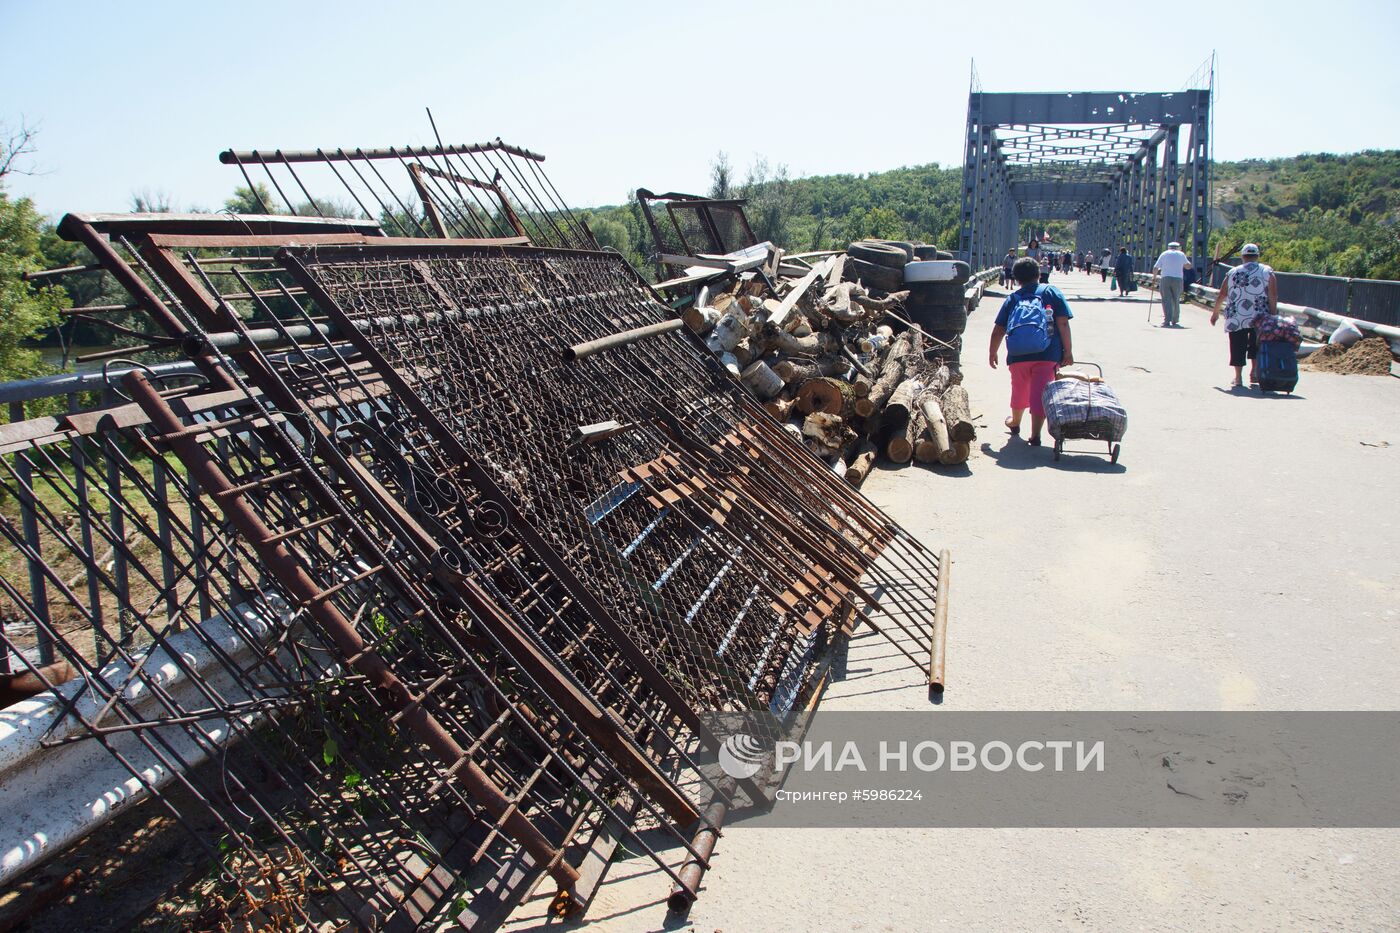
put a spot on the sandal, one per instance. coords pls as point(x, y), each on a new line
point(1015, 429)
point(1034, 440)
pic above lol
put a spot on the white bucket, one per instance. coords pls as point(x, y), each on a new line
point(761, 380)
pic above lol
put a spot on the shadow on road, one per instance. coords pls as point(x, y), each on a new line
point(1242, 392)
point(1018, 455)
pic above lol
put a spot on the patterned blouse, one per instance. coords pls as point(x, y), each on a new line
point(1248, 296)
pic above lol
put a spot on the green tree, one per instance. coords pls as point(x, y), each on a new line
point(721, 178)
point(26, 312)
point(258, 199)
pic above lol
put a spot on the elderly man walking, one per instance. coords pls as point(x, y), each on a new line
point(1170, 268)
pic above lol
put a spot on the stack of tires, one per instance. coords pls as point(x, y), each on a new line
point(879, 264)
point(934, 279)
point(935, 301)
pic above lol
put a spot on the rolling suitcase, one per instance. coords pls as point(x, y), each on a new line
point(1277, 366)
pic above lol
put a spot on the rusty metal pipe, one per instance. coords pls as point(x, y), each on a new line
point(938, 642)
point(703, 842)
point(365, 660)
point(611, 342)
point(230, 157)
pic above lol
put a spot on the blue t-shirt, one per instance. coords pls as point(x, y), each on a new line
point(1051, 297)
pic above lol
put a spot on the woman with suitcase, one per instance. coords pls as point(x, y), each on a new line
point(1248, 291)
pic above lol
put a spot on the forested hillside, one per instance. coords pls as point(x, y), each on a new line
point(1327, 214)
point(820, 212)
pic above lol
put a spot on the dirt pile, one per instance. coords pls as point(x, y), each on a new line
point(1369, 357)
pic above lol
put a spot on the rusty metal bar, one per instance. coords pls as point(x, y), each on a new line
point(366, 661)
point(230, 157)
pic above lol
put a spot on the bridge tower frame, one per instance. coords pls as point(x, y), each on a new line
point(1110, 161)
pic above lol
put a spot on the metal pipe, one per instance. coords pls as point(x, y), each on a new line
point(684, 893)
point(938, 642)
point(611, 342)
point(66, 270)
point(230, 157)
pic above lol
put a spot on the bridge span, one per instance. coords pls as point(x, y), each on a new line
point(1240, 556)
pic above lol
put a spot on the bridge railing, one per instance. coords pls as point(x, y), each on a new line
point(100, 538)
point(1371, 300)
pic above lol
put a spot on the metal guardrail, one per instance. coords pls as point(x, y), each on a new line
point(1374, 300)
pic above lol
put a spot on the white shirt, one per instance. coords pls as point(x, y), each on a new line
point(1172, 264)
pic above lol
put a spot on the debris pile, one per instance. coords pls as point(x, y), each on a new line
point(858, 351)
point(1368, 357)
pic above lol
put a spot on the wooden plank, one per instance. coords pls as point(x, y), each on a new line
point(798, 290)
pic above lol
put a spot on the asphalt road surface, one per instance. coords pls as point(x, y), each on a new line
point(1242, 555)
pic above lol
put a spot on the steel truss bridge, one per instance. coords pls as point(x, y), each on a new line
point(1119, 164)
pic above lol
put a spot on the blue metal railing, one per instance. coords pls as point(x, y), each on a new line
point(1371, 300)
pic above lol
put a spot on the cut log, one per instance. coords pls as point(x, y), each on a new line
point(937, 426)
point(823, 394)
point(958, 454)
point(794, 346)
point(700, 320)
point(861, 465)
point(827, 429)
point(890, 301)
point(836, 302)
point(728, 331)
point(796, 371)
point(891, 375)
point(900, 449)
point(894, 417)
point(779, 407)
point(957, 413)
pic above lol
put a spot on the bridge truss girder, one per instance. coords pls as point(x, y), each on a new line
point(1111, 162)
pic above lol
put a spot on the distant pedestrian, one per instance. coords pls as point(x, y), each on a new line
point(1034, 321)
point(1066, 262)
point(1249, 290)
point(1033, 249)
point(1123, 271)
point(1105, 264)
point(1171, 267)
point(1007, 262)
point(1044, 268)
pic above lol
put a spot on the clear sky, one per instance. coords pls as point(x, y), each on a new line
point(143, 95)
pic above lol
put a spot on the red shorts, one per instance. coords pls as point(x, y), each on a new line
point(1028, 382)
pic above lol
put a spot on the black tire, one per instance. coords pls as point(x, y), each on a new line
point(879, 254)
point(908, 248)
point(952, 318)
point(923, 294)
point(925, 251)
point(875, 276)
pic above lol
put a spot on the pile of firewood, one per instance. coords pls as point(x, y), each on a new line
point(839, 364)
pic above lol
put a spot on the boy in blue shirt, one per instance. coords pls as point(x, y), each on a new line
point(1033, 370)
